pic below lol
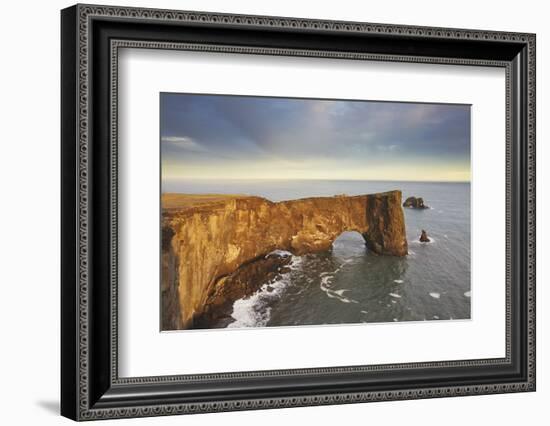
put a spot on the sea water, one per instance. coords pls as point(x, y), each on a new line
point(347, 284)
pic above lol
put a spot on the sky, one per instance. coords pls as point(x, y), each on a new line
point(245, 137)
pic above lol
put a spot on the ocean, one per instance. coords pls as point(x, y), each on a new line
point(347, 284)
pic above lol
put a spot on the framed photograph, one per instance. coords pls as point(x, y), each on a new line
point(263, 212)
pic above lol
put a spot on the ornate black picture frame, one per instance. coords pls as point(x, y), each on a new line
point(91, 387)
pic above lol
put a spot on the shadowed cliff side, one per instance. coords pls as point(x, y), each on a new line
point(212, 236)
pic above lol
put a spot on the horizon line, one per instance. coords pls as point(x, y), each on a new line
point(317, 179)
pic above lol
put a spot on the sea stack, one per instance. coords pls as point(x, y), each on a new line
point(424, 237)
point(415, 203)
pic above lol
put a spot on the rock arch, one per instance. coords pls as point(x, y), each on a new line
point(212, 237)
point(349, 243)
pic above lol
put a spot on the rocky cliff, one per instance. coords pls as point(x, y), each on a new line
point(208, 238)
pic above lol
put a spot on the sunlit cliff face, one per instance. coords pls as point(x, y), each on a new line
point(211, 239)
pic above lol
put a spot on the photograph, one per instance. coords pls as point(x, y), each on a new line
point(279, 211)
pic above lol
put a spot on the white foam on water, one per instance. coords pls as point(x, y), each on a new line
point(398, 281)
point(302, 289)
point(281, 253)
point(246, 315)
point(364, 312)
point(296, 263)
point(326, 282)
point(436, 317)
point(416, 241)
point(468, 294)
point(326, 285)
point(393, 301)
point(435, 295)
point(252, 311)
point(333, 295)
point(395, 295)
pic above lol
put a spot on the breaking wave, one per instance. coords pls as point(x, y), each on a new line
point(254, 310)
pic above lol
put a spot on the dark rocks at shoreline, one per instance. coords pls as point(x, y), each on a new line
point(415, 203)
point(424, 237)
point(245, 281)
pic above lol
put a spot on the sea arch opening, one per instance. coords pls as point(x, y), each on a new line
point(349, 243)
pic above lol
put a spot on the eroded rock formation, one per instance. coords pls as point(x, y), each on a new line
point(243, 282)
point(424, 237)
point(211, 237)
point(415, 203)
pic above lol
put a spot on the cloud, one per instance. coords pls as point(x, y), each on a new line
point(185, 143)
point(318, 134)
